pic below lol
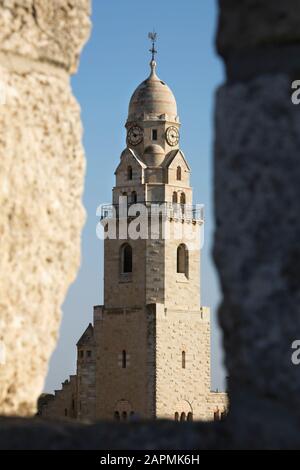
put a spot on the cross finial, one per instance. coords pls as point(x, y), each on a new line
point(153, 38)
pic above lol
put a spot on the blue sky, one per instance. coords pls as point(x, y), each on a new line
point(113, 63)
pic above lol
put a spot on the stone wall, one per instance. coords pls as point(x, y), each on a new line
point(257, 190)
point(61, 405)
point(41, 182)
point(86, 375)
point(176, 386)
point(118, 330)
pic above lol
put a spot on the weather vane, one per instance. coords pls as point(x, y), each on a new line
point(153, 37)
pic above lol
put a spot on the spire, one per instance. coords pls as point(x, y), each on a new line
point(153, 38)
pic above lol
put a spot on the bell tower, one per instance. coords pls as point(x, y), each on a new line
point(152, 336)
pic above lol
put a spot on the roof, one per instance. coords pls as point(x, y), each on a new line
point(87, 336)
point(152, 97)
point(170, 157)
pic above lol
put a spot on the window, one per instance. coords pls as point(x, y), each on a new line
point(174, 198)
point(178, 173)
point(124, 415)
point(182, 198)
point(81, 354)
point(73, 404)
point(66, 412)
point(190, 416)
point(124, 359)
point(182, 259)
point(129, 172)
point(182, 416)
point(89, 353)
point(176, 416)
point(126, 259)
point(183, 359)
point(154, 134)
point(117, 416)
point(133, 197)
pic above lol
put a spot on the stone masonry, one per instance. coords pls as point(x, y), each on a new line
point(41, 183)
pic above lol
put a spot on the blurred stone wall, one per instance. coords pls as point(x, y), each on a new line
point(42, 169)
point(257, 194)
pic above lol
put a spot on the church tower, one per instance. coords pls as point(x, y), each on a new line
point(152, 336)
point(147, 355)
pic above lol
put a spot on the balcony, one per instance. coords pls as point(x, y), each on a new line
point(169, 210)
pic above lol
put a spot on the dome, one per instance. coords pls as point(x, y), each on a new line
point(152, 97)
point(154, 155)
point(154, 149)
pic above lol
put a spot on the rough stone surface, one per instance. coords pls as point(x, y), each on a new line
point(257, 23)
point(257, 162)
point(257, 197)
point(45, 30)
point(41, 182)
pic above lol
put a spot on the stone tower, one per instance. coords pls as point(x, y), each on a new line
point(148, 353)
point(152, 337)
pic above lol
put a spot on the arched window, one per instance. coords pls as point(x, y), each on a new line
point(178, 173)
point(133, 197)
point(182, 198)
point(183, 359)
point(124, 359)
point(124, 415)
point(190, 416)
point(174, 198)
point(182, 259)
point(126, 259)
point(176, 416)
point(129, 172)
point(117, 416)
point(182, 416)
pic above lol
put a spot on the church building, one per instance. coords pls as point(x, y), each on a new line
point(147, 353)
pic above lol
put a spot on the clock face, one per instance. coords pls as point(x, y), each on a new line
point(135, 135)
point(172, 136)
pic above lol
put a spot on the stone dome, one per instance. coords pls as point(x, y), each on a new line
point(154, 149)
point(154, 155)
point(152, 97)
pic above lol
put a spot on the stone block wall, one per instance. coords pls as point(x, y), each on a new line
point(182, 389)
point(119, 330)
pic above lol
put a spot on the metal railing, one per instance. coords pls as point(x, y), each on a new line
point(170, 210)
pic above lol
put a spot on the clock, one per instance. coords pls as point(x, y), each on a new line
point(172, 136)
point(135, 135)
